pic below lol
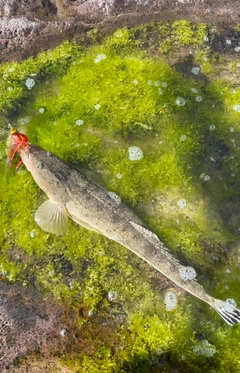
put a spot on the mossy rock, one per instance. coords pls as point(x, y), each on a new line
point(141, 91)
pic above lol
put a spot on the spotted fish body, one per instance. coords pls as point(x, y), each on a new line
point(72, 194)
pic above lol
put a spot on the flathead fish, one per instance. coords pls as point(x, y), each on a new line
point(72, 194)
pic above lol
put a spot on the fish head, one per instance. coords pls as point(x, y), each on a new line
point(49, 172)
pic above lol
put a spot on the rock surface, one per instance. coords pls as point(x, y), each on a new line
point(36, 331)
point(28, 27)
point(30, 324)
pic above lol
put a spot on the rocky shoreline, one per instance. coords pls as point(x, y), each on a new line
point(28, 27)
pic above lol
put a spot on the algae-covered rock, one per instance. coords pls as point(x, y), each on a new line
point(150, 111)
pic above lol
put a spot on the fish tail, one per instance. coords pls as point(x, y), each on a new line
point(227, 311)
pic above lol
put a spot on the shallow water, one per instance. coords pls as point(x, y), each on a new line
point(166, 140)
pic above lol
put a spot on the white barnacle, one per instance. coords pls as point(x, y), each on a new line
point(237, 49)
point(230, 305)
point(97, 106)
point(112, 295)
point(195, 70)
point(134, 153)
point(33, 234)
point(41, 110)
point(157, 83)
point(194, 90)
point(10, 89)
point(30, 83)
point(183, 137)
point(236, 108)
point(199, 98)
point(205, 348)
point(63, 332)
point(25, 120)
point(212, 127)
point(119, 176)
point(206, 177)
point(71, 285)
point(159, 351)
point(3, 273)
point(51, 273)
point(180, 101)
point(170, 300)
point(91, 313)
point(100, 57)
point(115, 197)
point(182, 203)
point(135, 81)
point(79, 122)
point(187, 273)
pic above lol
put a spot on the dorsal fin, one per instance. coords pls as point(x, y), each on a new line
point(152, 237)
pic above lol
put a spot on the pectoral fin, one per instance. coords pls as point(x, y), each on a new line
point(52, 217)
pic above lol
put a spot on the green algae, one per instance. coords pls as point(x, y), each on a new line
point(13, 88)
point(89, 106)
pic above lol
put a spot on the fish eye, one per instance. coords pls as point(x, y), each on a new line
point(40, 165)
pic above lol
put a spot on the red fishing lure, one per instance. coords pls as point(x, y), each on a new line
point(19, 140)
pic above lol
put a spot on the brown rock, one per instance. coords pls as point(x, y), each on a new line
point(32, 325)
point(28, 27)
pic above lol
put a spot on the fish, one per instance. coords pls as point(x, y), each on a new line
point(71, 194)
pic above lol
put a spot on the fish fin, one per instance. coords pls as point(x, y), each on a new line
point(52, 217)
point(228, 312)
point(152, 237)
point(155, 240)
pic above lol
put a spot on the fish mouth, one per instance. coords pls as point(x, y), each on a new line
point(24, 152)
point(26, 157)
point(24, 149)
